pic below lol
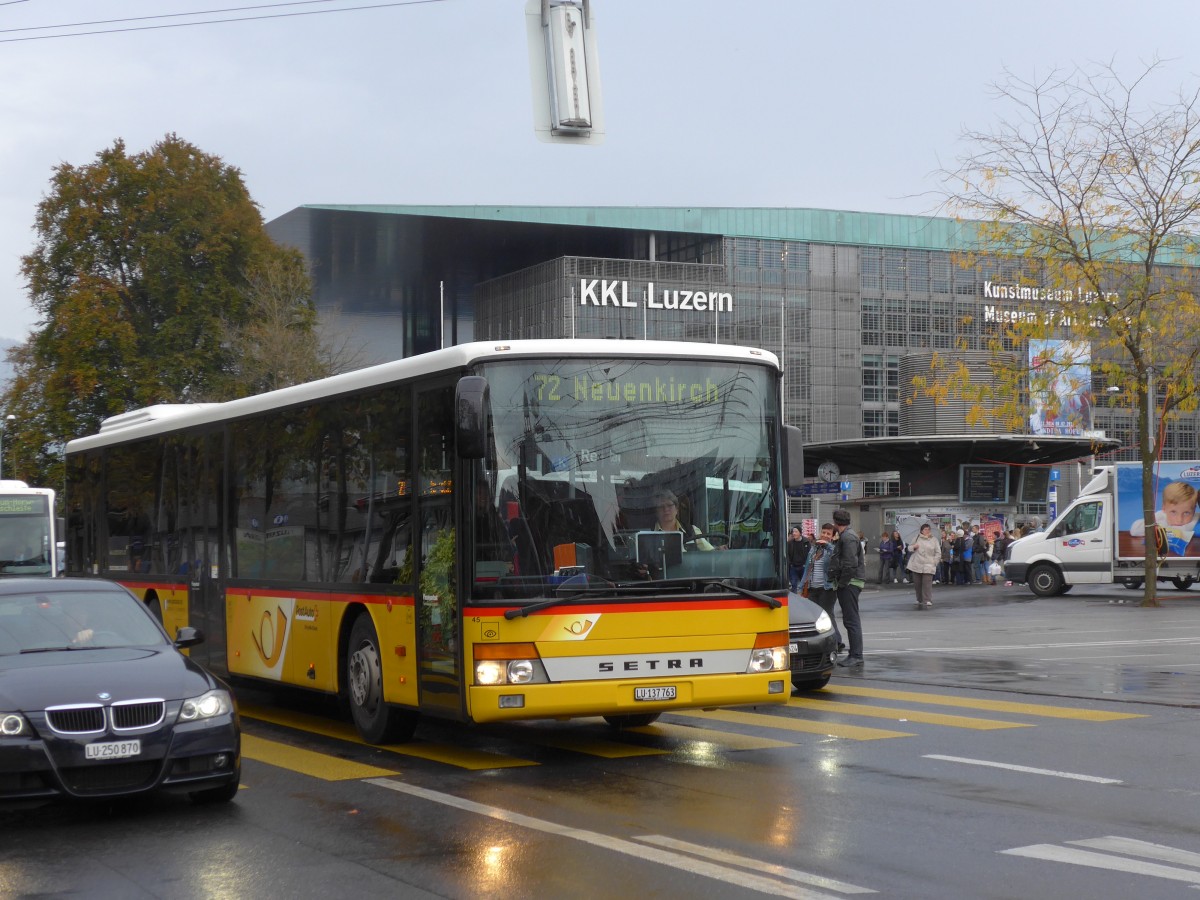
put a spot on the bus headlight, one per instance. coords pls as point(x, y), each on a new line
point(508, 664)
point(768, 659)
point(489, 671)
point(520, 671)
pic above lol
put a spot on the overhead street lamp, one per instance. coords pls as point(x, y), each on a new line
point(8, 421)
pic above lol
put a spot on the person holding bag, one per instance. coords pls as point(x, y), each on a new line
point(926, 556)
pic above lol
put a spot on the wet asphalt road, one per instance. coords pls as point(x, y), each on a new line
point(987, 748)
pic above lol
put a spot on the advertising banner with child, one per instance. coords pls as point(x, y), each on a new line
point(1177, 489)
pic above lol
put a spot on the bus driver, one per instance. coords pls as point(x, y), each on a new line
point(666, 508)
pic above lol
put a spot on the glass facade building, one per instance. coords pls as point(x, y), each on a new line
point(852, 303)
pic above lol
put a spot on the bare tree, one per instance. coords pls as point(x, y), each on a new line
point(281, 343)
point(1090, 189)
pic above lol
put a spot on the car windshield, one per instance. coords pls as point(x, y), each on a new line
point(626, 477)
point(73, 620)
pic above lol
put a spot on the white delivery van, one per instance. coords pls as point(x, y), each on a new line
point(1101, 537)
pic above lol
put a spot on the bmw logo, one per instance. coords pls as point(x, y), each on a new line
point(104, 695)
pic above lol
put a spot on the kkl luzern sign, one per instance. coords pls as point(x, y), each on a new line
point(602, 292)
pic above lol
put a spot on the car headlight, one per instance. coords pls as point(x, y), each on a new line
point(14, 725)
point(206, 706)
point(824, 623)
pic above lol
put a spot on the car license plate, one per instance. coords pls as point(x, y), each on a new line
point(654, 693)
point(113, 750)
point(793, 648)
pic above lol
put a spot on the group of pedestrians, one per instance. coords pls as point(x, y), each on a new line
point(831, 571)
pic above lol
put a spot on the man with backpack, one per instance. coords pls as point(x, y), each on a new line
point(848, 570)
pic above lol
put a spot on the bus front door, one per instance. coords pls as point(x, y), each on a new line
point(438, 616)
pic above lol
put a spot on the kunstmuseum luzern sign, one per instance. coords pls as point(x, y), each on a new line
point(602, 292)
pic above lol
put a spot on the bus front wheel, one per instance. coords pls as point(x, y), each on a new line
point(376, 721)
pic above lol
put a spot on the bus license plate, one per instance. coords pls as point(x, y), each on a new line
point(113, 750)
point(654, 693)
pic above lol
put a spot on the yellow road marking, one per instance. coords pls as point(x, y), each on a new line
point(590, 746)
point(1026, 709)
point(832, 729)
point(307, 762)
point(725, 740)
point(461, 757)
point(910, 715)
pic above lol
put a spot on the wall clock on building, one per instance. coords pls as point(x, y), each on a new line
point(828, 471)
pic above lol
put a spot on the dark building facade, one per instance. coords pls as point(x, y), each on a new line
point(852, 303)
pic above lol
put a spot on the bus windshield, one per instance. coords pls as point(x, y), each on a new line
point(626, 477)
point(26, 538)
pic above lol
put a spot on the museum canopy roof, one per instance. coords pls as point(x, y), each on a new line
point(889, 454)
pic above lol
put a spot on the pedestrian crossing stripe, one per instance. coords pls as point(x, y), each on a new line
point(761, 720)
point(906, 715)
point(1001, 706)
point(463, 757)
point(308, 762)
point(693, 735)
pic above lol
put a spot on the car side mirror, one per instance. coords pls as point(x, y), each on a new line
point(187, 636)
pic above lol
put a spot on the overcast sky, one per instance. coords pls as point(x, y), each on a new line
point(707, 103)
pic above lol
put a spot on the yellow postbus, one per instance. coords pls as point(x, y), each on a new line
point(475, 533)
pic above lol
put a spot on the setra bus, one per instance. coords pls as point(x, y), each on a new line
point(472, 533)
point(28, 530)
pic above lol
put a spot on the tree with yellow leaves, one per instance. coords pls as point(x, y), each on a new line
point(1088, 194)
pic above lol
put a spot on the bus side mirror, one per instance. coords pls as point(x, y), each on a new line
point(471, 416)
point(793, 453)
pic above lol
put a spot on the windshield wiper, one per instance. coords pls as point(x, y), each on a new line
point(697, 584)
point(49, 649)
point(608, 589)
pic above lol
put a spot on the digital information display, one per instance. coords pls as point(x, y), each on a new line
point(982, 484)
point(1035, 484)
point(22, 506)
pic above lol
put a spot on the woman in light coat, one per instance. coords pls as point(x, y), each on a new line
point(926, 556)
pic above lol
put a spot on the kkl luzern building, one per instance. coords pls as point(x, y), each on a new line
point(854, 304)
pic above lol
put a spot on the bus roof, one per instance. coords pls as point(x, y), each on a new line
point(163, 418)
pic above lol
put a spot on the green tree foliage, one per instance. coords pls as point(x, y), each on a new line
point(145, 274)
point(1087, 199)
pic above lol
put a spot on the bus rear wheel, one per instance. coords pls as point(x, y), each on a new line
point(376, 721)
point(632, 721)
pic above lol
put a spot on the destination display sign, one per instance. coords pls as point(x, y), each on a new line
point(22, 506)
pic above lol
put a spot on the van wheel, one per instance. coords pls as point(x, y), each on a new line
point(632, 721)
point(1133, 584)
point(1045, 580)
point(376, 721)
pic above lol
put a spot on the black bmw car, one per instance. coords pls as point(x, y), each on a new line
point(96, 701)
